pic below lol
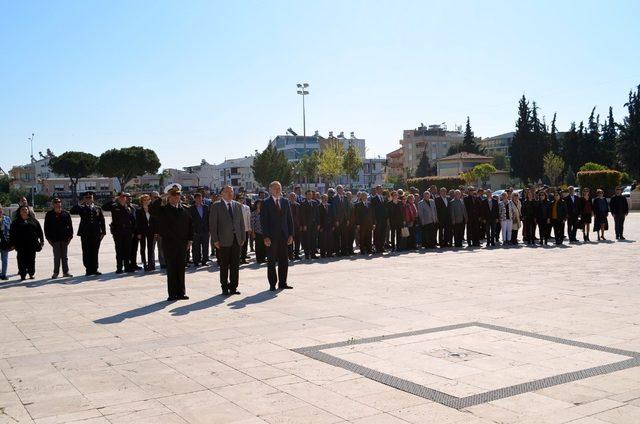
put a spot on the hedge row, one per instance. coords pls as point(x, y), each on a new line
point(606, 180)
point(424, 183)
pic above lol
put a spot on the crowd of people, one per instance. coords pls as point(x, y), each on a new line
point(183, 229)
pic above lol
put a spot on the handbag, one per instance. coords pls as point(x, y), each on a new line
point(404, 232)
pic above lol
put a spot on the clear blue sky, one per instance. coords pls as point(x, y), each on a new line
point(206, 79)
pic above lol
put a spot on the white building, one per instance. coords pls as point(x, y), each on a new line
point(235, 172)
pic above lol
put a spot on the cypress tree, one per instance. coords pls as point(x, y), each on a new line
point(609, 139)
point(554, 145)
point(424, 169)
point(569, 148)
point(629, 141)
point(520, 149)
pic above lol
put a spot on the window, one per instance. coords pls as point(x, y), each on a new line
point(58, 187)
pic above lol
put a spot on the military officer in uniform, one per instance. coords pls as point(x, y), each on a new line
point(175, 227)
point(123, 228)
point(91, 231)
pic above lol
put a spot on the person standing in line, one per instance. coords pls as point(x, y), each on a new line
point(294, 248)
point(155, 196)
point(200, 218)
point(277, 226)
point(5, 245)
point(506, 208)
point(91, 231)
point(393, 213)
point(444, 218)
point(410, 217)
point(351, 226)
point(619, 209)
point(134, 240)
point(543, 217)
point(382, 218)
point(310, 224)
point(246, 215)
point(58, 230)
point(586, 213)
point(516, 217)
point(226, 225)
point(600, 213)
point(529, 218)
point(146, 233)
point(338, 211)
point(123, 224)
point(23, 202)
point(364, 221)
point(429, 219)
point(573, 214)
point(256, 232)
point(26, 237)
point(175, 226)
point(558, 217)
point(326, 227)
point(458, 217)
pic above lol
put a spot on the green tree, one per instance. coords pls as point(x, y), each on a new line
point(592, 166)
point(74, 165)
point(469, 141)
point(554, 145)
point(629, 142)
point(609, 141)
point(483, 172)
point(553, 167)
point(351, 162)
point(128, 163)
point(424, 168)
point(521, 149)
point(309, 166)
point(569, 149)
point(271, 165)
point(589, 141)
point(331, 161)
point(500, 161)
point(5, 183)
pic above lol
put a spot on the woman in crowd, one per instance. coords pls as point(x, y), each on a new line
point(558, 216)
point(146, 233)
point(410, 215)
point(517, 217)
point(600, 213)
point(543, 217)
point(5, 225)
point(505, 212)
point(585, 210)
point(27, 238)
point(529, 217)
point(256, 232)
point(394, 212)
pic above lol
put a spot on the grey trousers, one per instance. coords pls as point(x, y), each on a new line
point(60, 256)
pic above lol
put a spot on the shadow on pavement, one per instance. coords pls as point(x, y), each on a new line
point(252, 300)
point(197, 306)
point(138, 312)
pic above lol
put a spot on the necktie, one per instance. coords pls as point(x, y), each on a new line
point(277, 203)
point(230, 211)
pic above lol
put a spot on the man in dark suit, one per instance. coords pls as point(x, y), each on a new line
point(571, 200)
point(380, 217)
point(277, 227)
point(176, 229)
point(488, 213)
point(309, 224)
point(123, 224)
point(341, 221)
point(228, 234)
point(444, 219)
point(459, 218)
point(364, 220)
point(200, 218)
point(294, 248)
point(619, 209)
point(470, 204)
point(91, 231)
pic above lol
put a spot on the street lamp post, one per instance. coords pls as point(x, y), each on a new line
point(33, 162)
point(303, 91)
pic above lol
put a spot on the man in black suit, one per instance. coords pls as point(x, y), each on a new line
point(619, 209)
point(200, 217)
point(176, 229)
point(228, 235)
point(364, 220)
point(571, 200)
point(489, 216)
point(91, 231)
point(123, 224)
point(309, 224)
point(277, 227)
point(380, 216)
point(294, 248)
point(341, 221)
point(471, 205)
point(444, 219)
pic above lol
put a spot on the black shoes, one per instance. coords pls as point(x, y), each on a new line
point(285, 287)
point(119, 271)
point(173, 299)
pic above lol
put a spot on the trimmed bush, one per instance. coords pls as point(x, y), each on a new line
point(606, 180)
point(424, 183)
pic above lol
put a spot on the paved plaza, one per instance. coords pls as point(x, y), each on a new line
point(518, 335)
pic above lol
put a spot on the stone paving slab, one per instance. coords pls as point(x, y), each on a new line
point(111, 350)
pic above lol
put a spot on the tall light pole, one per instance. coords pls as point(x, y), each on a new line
point(303, 91)
point(33, 162)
